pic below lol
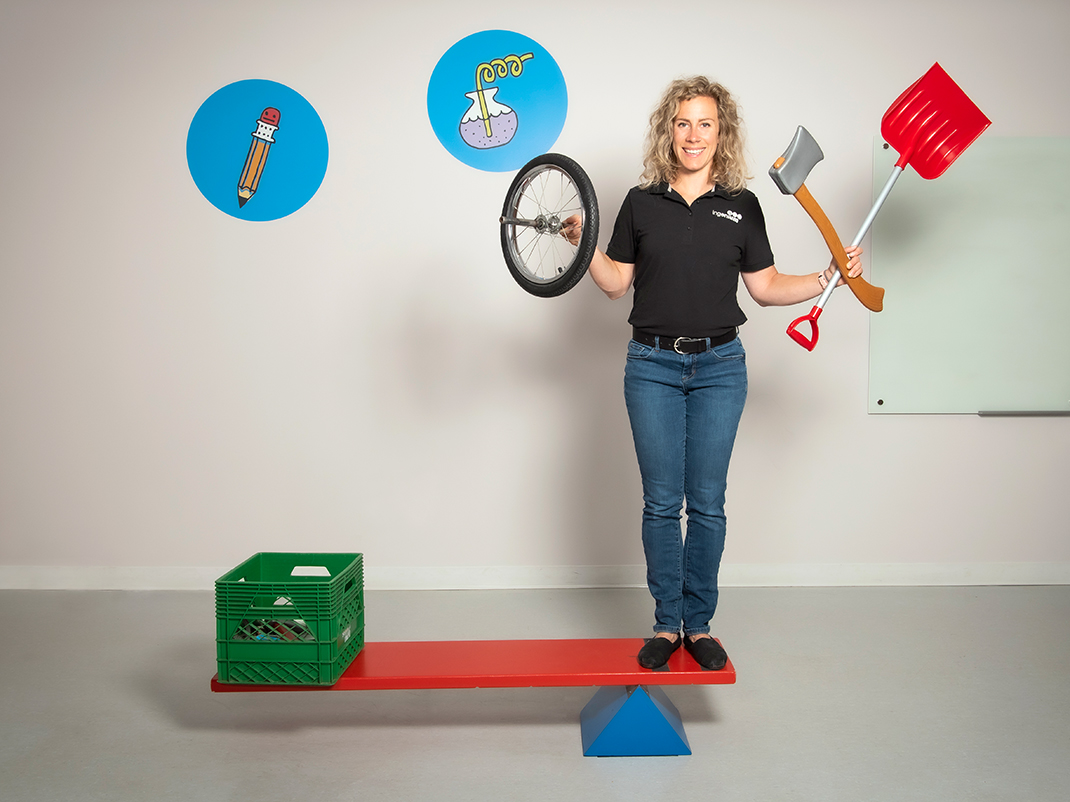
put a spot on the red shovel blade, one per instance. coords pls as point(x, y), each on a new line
point(932, 123)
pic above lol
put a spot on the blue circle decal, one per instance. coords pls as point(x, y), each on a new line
point(496, 99)
point(257, 150)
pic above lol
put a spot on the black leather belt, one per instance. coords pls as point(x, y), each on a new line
point(683, 345)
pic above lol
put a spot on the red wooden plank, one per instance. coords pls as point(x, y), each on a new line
point(506, 664)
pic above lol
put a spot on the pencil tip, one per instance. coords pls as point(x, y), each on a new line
point(242, 201)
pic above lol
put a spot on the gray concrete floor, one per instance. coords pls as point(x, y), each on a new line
point(843, 694)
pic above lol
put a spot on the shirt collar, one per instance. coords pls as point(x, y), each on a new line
point(663, 188)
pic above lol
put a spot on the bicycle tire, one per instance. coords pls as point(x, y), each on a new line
point(548, 189)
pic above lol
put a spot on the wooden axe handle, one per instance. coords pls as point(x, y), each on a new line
point(871, 297)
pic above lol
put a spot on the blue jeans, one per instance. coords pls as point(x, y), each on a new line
point(684, 411)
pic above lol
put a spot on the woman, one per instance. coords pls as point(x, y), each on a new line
point(681, 240)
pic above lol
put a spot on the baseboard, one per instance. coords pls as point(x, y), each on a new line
point(108, 577)
point(893, 574)
point(501, 577)
point(35, 577)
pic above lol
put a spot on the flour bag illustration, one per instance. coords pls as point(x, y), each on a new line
point(489, 123)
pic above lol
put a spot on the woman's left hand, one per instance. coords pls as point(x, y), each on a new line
point(854, 266)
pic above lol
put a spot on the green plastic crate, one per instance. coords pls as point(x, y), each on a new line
point(289, 619)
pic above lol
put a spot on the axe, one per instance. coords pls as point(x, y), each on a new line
point(789, 173)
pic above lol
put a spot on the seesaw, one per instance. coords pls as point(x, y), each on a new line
point(629, 715)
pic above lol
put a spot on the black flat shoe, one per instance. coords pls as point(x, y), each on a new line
point(707, 653)
point(657, 651)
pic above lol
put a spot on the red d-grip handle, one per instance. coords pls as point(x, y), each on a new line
point(798, 336)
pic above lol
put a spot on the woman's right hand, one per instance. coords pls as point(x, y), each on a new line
point(572, 228)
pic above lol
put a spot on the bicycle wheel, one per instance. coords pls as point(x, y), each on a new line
point(547, 190)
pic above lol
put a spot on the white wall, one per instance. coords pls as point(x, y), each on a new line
point(180, 389)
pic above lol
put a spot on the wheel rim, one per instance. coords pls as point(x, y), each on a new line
point(536, 213)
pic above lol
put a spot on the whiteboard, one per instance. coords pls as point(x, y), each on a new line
point(977, 311)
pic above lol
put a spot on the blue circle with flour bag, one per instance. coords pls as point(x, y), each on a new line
point(496, 99)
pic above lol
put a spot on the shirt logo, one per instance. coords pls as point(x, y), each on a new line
point(735, 217)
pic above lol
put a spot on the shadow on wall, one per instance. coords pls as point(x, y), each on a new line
point(554, 369)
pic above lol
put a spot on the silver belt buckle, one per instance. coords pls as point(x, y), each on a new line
point(676, 344)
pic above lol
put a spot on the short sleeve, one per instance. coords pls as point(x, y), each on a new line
point(621, 246)
point(757, 253)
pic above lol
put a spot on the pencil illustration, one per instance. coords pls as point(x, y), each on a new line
point(266, 126)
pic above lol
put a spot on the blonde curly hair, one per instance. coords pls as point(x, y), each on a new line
point(729, 167)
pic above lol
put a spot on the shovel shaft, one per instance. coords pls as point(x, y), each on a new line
point(866, 225)
point(871, 297)
point(828, 291)
point(896, 172)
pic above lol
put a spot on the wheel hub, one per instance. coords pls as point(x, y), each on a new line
point(547, 224)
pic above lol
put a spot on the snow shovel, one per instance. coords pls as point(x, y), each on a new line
point(929, 125)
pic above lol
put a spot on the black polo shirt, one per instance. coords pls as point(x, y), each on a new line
point(688, 258)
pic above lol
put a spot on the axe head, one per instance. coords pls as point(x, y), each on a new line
point(790, 170)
